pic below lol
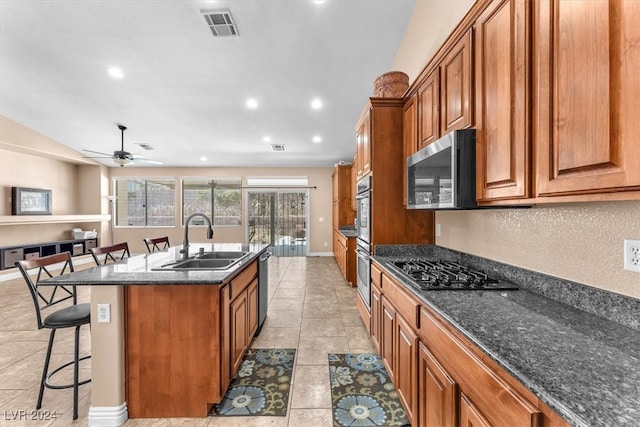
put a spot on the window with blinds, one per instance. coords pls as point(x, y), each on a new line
point(218, 198)
point(145, 202)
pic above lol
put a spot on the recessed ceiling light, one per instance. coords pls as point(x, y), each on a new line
point(116, 73)
point(252, 103)
point(267, 139)
point(316, 104)
point(317, 139)
point(203, 158)
point(318, 1)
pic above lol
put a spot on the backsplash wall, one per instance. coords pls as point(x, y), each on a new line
point(582, 242)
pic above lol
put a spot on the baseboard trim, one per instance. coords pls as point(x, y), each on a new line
point(320, 254)
point(108, 416)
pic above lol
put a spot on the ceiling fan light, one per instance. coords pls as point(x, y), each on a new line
point(122, 161)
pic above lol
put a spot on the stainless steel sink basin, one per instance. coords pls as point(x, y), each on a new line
point(222, 260)
point(223, 254)
point(204, 264)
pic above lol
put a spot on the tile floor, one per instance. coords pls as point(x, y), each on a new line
point(311, 309)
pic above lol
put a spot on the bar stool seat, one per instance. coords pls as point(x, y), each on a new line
point(73, 316)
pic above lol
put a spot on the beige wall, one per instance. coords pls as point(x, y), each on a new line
point(30, 159)
point(430, 24)
point(319, 228)
point(581, 241)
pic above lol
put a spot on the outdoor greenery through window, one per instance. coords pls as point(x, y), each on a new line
point(145, 202)
point(218, 198)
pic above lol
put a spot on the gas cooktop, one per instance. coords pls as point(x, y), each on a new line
point(431, 275)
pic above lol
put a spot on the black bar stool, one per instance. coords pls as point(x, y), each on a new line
point(73, 316)
point(157, 244)
point(113, 253)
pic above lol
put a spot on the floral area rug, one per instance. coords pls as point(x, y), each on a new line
point(362, 393)
point(262, 385)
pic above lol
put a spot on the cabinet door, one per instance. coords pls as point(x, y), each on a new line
point(238, 329)
point(405, 364)
point(387, 331)
point(252, 307)
point(225, 339)
point(429, 109)
point(410, 139)
point(363, 145)
point(586, 108)
point(470, 415)
point(436, 392)
point(502, 101)
point(354, 183)
point(455, 82)
point(376, 316)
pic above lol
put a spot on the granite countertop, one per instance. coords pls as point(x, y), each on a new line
point(585, 367)
point(139, 269)
point(348, 232)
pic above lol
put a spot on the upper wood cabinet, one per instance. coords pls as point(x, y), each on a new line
point(445, 96)
point(429, 109)
point(502, 101)
point(363, 144)
point(342, 190)
point(409, 137)
point(585, 102)
point(456, 84)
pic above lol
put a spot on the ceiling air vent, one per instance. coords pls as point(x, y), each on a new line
point(145, 146)
point(277, 147)
point(220, 23)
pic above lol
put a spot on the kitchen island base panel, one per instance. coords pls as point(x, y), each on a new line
point(163, 379)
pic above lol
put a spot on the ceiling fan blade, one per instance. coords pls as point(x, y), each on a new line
point(98, 152)
point(146, 161)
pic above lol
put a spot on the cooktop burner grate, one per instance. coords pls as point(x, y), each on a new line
point(431, 275)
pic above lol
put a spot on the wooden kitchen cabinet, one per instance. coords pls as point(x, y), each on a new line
point(387, 332)
point(409, 137)
point(502, 76)
point(376, 311)
point(429, 109)
point(585, 103)
point(344, 251)
point(436, 392)
point(470, 415)
point(445, 97)
point(405, 365)
point(243, 309)
point(456, 83)
point(343, 212)
point(363, 141)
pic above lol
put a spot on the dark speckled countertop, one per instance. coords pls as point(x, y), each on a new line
point(139, 269)
point(584, 366)
point(348, 231)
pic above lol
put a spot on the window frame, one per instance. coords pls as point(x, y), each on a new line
point(212, 198)
point(146, 181)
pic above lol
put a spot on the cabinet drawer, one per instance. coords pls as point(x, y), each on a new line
point(404, 304)
point(243, 280)
point(90, 243)
point(494, 398)
point(11, 256)
point(376, 275)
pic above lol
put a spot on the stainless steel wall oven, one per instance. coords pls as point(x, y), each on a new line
point(363, 248)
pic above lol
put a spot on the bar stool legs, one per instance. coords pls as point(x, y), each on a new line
point(45, 382)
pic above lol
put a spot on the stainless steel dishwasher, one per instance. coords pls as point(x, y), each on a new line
point(263, 288)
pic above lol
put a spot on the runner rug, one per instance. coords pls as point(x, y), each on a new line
point(362, 393)
point(262, 385)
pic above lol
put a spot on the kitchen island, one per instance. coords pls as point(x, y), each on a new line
point(174, 339)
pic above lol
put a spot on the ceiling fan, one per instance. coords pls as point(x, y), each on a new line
point(121, 157)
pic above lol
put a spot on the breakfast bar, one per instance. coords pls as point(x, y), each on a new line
point(174, 330)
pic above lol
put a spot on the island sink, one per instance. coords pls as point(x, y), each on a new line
point(207, 261)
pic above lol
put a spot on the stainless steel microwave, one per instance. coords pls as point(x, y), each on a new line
point(442, 175)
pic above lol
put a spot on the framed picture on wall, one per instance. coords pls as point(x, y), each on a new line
point(30, 201)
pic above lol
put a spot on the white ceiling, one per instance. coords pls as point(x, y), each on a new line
point(183, 90)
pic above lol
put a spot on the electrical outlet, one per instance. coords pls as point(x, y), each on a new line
point(104, 313)
point(632, 255)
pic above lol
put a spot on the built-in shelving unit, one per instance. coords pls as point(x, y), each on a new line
point(51, 219)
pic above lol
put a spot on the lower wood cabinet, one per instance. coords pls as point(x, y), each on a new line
point(243, 311)
point(344, 251)
point(442, 379)
point(436, 392)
